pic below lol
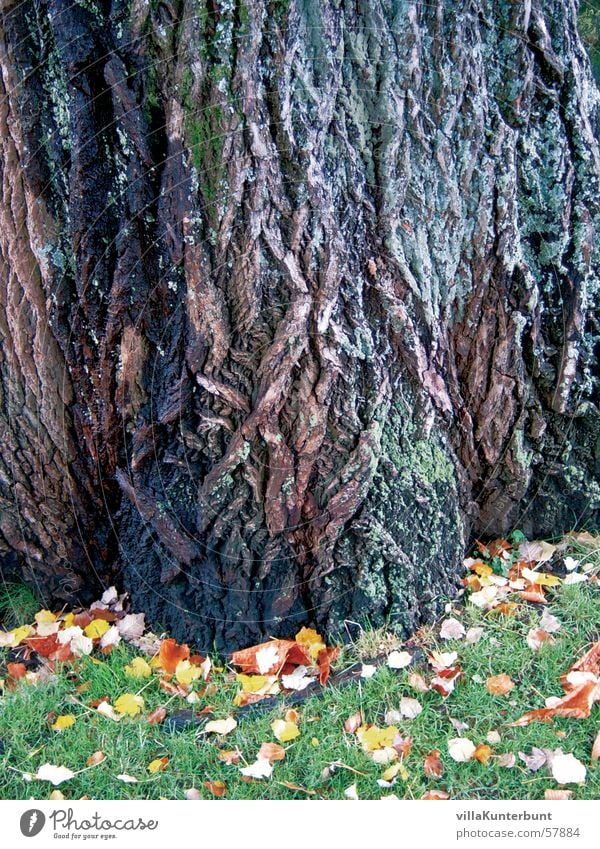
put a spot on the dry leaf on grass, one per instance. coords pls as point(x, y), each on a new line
point(432, 765)
point(461, 749)
point(499, 685)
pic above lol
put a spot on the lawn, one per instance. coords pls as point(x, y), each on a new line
point(324, 761)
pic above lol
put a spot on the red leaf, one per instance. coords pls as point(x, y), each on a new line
point(324, 659)
point(44, 646)
point(16, 670)
point(577, 704)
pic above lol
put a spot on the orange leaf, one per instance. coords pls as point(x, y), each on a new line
point(435, 794)
point(534, 593)
point(577, 704)
point(171, 653)
point(292, 715)
point(280, 652)
point(229, 757)
point(16, 670)
point(499, 685)
point(217, 788)
point(271, 752)
point(324, 659)
point(432, 765)
point(482, 753)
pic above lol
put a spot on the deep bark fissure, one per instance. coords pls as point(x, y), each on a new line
point(296, 298)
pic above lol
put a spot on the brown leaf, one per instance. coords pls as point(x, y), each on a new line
point(557, 794)
point(96, 758)
point(596, 748)
point(217, 788)
point(577, 704)
point(157, 715)
point(435, 794)
point(324, 659)
point(432, 765)
point(230, 757)
point(271, 752)
point(499, 685)
point(353, 722)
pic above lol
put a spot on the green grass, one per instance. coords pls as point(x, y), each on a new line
point(26, 741)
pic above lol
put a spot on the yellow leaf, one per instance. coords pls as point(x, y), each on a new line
point(314, 742)
point(541, 578)
point(96, 628)
point(395, 769)
point(482, 569)
point(155, 662)
point(284, 730)
point(314, 642)
point(376, 738)
point(138, 668)
point(68, 620)
point(20, 633)
point(186, 672)
point(62, 722)
point(158, 765)
point(129, 704)
point(43, 617)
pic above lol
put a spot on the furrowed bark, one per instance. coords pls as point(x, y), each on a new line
point(297, 298)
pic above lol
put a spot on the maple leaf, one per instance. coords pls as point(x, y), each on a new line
point(279, 652)
point(499, 685)
point(371, 737)
point(220, 726)
point(62, 722)
point(129, 704)
point(54, 774)
point(185, 672)
point(285, 730)
point(432, 765)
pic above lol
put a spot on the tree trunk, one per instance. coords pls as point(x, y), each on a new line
point(297, 297)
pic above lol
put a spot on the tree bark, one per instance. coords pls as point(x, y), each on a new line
point(297, 298)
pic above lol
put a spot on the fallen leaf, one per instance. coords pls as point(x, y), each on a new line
point(452, 629)
point(271, 752)
point(417, 682)
point(399, 659)
point(312, 640)
point(170, 654)
point(507, 760)
point(261, 768)
point(493, 737)
point(432, 765)
point(138, 668)
point(96, 628)
point(156, 716)
point(499, 685)
point(446, 679)
point(131, 626)
point(566, 769)
point(158, 765)
point(110, 638)
point(278, 652)
point(550, 623)
point(367, 670)
point(596, 748)
point(536, 551)
point(351, 792)
point(536, 760)
point(192, 794)
point(551, 795)
point(435, 795)
point(54, 774)
point(442, 660)
point(220, 726)
point(284, 730)
point(62, 722)
point(129, 704)
point(217, 788)
point(482, 753)
point(107, 710)
point(575, 578)
point(77, 642)
point(577, 704)
point(127, 779)
point(57, 796)
point(230, 757)
point(473, 635)
point(186, 673)
point(298, 680)
point(353, 723)
point(536, 637)
point(461, 749)
point(410, 708)
point(324, 660)
point(16, 670)
point(96, 758)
